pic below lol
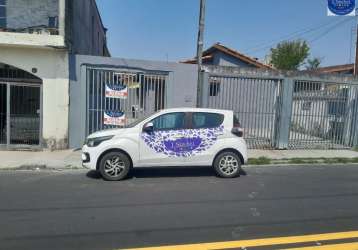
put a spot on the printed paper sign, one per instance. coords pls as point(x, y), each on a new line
point(114, 118)
point(341, 7)
point(116, 91)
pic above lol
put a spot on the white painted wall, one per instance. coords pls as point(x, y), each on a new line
point(31, 40)
point(52, 68)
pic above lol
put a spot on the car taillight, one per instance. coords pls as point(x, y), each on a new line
point(237, 130)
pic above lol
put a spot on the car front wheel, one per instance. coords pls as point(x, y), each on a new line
point(227, 165)
point(114, 166)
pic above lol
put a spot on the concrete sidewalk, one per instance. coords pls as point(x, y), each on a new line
point(69, 159)
point(64, 159)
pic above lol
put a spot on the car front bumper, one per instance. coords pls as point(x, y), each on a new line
point(89, 159)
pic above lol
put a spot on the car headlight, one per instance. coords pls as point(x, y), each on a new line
point(94, 142)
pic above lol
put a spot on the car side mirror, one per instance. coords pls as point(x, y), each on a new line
point(148, 128)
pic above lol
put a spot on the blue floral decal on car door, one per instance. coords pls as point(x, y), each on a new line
point(182, 143)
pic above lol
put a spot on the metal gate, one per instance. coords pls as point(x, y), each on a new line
point(20, 114)
point(117, 97)
point(254, 101)
point(285, 111)
point(324, 115)
point(3, 113)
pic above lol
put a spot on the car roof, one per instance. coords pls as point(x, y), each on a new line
point(196, 110)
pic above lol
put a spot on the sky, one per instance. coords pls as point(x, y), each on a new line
point(167, 29)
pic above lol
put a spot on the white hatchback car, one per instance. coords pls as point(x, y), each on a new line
point(170, 137)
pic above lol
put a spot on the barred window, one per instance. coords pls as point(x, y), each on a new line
point(2, 14)
point(214, 88)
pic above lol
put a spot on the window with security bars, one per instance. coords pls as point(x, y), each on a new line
point(214, 88)
point(8, 72)
point(2, 14)
point(301, 86)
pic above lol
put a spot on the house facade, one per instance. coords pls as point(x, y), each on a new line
point(221, 55)
point(37, 38)
point(344, 69)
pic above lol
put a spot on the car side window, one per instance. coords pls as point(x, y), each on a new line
point(171, 121)
point(207, 120)
point(236, 121)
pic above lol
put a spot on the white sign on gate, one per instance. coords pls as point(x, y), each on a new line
point(116, 91)
point(114, 118)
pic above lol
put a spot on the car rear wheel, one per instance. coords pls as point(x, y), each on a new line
point(114, 166)
point(227, 165)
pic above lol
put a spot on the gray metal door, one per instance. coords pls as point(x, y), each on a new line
point(254, 101)
point(3, 113)
point(20, 120)
point(24, 115)
point(112, 94)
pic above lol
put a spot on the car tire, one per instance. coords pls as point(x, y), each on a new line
point(114, 166)
point(227, 165)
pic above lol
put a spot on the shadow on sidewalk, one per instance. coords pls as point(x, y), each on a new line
point(158, 172)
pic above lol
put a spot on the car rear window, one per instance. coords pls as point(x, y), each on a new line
point(236, 121)
point(207, 120)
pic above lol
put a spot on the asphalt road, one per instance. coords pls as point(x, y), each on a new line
point(78, 210)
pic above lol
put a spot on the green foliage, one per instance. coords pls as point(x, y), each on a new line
point(259, 161)
point(290, 55)
point(355, 160)
point(313, 63)
point(338, 160)
point(302, 161)
point(306, 161)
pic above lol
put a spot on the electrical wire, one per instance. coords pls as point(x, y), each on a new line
point(330, 29)
point(297, 34)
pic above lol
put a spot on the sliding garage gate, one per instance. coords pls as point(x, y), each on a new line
point(256, 102)
point(116, 98)
point(324, 115)
point(298, 114)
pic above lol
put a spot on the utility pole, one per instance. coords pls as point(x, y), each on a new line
point(356, 60)
point(355, 69)
point(199, 54)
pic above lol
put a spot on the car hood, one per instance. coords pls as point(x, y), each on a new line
point(109, 132)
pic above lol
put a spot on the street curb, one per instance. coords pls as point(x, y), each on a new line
point(40, 168)
point(305, 165)
point(44, 168)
